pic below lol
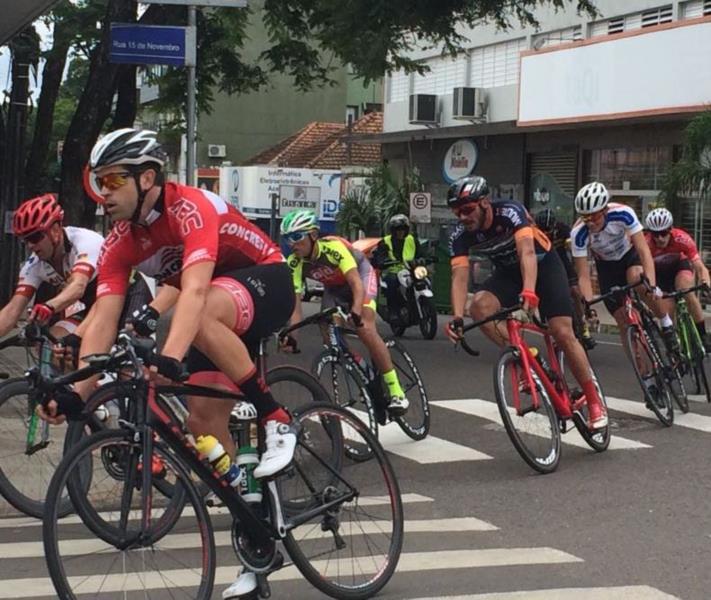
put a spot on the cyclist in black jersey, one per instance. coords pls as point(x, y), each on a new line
point(526, 270)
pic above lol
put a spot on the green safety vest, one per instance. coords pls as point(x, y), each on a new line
point(408, 251)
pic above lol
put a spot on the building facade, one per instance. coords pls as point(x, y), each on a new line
point(541, 112)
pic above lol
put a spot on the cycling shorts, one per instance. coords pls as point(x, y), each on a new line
point(264, 300)
point(611, 273)
point(343, 296)
point(568, 266)
point(669, 268)
point(506, 284)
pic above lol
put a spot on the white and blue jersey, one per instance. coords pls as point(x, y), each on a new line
point(613, 241)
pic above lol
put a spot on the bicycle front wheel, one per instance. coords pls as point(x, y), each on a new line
point(672, 367)
point(25, 472)
point(650, 374)
point(533, 429)
point(141, 561)
point(416, 421)
point(350, 546)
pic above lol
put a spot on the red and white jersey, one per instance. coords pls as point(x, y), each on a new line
point(186, 227)
point(680, 243)
point(81, 253)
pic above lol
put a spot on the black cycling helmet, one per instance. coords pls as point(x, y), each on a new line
point(399, 221)
point(467, 189)
point(545, 219)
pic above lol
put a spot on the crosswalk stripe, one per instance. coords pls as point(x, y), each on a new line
point(183, 541)
point(13, 522)
point(629, 592)
point(428, 451)
point(409, 562)
point(637, 408)
point(490, 411)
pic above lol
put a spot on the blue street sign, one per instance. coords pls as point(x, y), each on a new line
point(152, 45)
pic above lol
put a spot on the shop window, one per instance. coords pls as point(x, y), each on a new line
point(627, 168)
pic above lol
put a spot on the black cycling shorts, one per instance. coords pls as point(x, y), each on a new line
point(271, 289)
point(667, 267)
point(568, 266)
point(611, 273)
point(506, 284)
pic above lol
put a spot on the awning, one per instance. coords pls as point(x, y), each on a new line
point(17, 14)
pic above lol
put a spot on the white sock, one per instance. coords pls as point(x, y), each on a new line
point(666, 321)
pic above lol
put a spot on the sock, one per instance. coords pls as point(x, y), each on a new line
point(257, 391)
point(666, 321)
point(701, 326)
point(590, 391)
point(393, 383)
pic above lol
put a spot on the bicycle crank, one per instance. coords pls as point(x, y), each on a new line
point(258, 559)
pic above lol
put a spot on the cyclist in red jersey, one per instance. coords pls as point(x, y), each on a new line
point(228, 271)
point(677, 263)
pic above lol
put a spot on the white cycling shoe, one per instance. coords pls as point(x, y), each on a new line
point(280, 442)
point(245, 583)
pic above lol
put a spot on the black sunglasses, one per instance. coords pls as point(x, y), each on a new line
point(35, 237)
point(664, 233)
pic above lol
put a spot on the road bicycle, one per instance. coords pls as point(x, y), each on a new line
point(535, 399)
point(656, 370)
point(691, 349)
point(340, 521)
point(354, 383)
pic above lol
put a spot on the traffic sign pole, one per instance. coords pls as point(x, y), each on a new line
point(191, 120)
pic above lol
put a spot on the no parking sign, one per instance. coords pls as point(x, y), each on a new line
point(421, 207)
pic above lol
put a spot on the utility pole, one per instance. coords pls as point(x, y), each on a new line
point(191, 117)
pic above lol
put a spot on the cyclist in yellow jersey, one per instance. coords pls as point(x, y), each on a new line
point(349, 282)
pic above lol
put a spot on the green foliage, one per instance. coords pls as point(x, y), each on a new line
point(692, 173)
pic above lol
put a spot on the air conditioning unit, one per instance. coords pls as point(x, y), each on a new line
point(216, 150)
point(423, 109)
point(467, 103)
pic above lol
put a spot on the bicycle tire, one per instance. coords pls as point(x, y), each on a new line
point(428, 322)
point(598, 440)
point(332, 366)
point(30, 470)
point(671, 362)
point(663, 409)
point(702, 381)
point(544, 418)
point(415, 425)
point(697, 353)
point(314, 390)
point(54, 549)
point(341, 584)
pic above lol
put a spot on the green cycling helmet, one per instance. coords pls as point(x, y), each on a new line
point(299, 220)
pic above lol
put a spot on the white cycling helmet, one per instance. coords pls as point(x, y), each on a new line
point(660, 219)
point(591, 198)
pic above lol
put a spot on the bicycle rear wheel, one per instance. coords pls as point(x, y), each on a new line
point(534, 431)
point(25, 477)
point(343, 382)
point(294, 387)
point(140, 561)
point(672, 367)
point(701, 378)
point(350, 548)
point(416, 421)
point(650, 374)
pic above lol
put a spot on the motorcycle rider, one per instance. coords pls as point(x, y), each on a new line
point(398, 248)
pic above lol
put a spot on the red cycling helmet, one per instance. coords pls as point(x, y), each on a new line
point(36, 214)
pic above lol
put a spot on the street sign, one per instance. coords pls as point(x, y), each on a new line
point(421, 207)
point(226, 3)
point(152, 45)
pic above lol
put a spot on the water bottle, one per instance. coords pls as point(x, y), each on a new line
point(250, 488)
point(211, 448)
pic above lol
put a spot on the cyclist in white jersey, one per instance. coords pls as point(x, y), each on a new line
point(62, 258)
point(612, 234)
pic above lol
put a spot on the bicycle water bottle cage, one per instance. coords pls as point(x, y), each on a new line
point(244, 411)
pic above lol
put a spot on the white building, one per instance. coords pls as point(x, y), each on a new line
point(540, 112)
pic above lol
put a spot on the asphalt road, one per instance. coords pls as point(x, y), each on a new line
point(633, 522)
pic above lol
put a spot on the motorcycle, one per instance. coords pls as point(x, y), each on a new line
point(415, 299)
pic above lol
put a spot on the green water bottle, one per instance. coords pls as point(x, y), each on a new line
point(250, 488)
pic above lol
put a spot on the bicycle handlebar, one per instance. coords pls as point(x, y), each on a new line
point(504, 313)
point(618, 290)
point(319, 317)
point(678, 293)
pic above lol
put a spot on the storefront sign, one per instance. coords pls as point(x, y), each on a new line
point(292, 197)
point(421, 207)
point(460, 160)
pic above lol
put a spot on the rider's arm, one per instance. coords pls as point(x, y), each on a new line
point(702, 273)
point(166, 298)
point(582, 268)
point(73, 291)
point(526, 250)
point(460, 281)
point(12, 312)
point(645, 257)
point(357, 290)
point(100, 334)
point(194, 286)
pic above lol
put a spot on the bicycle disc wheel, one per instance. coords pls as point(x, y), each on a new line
point(672, 367)
point(351, 547)
point(25, 476)
point(534, 431)
point(599, 439)
point(650, 375)
point(416, 421)
point(294, 387)
point(344, 384)
point(136, 564)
